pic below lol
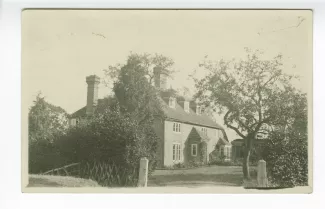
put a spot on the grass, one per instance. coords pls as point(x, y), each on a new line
point(59, 181)
point(211, 175)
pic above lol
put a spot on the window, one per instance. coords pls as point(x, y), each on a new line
point(229, 152)
point(222, 151)
point(73, 122)
point(172, 102)
point(77, 121)
point(177, 127)
point(194, 149)
point(226, 152)
point(187, 106)
point(204, 130)
point(176, 152)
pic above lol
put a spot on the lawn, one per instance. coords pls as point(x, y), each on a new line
point(59, 181)
point(194, 177)
point(204, 176)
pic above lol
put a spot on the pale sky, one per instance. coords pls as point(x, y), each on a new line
point(61, 47)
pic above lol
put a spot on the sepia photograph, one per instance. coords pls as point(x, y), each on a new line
point(167, 101)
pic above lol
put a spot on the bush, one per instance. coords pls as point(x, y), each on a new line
point(109, 174)
point(287, 161)
point(108, 147)
point(107, 141)
point(43, 156)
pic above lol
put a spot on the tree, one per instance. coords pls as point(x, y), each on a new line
point(147, 62)
point(46, 123)
point(251, 93)
point(45, 120)
point(133, 86)
point(138, 99)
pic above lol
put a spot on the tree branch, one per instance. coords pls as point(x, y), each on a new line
point(232, 127)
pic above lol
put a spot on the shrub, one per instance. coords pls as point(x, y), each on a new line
point(287, 161)
point(109, 140)
point(179, 165)
point(43, 156)
point(109, 174)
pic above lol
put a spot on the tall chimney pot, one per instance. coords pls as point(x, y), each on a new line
point(92, 93)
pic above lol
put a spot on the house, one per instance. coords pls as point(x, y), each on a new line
point(186, 134)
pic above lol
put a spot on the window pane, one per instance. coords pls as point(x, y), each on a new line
point(194, 147)
point(174, 152)
point(179, 152)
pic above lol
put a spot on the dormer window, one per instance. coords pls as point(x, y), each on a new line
point(186, 106)
point(198, 110)
point(172, 102)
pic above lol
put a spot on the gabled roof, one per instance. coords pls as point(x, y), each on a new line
point(79, 113)
point(223, 141)
point(201, 134)
point(173, 114)
point(179, 114)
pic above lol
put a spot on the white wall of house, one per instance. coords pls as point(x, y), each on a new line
point(172, 137)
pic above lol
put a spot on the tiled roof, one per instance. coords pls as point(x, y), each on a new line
point(223, 141)
point(174, 114)
point(79, 113)
point(82, 112)
point(179, 114)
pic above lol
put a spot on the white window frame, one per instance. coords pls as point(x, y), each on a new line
point(176, 127)
point(229, 152)
point(176, 150)
point(73, 122)
point(192, 146)
point(222, 150)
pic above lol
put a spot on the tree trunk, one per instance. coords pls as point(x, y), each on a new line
point(246, 172)
point(247, 152)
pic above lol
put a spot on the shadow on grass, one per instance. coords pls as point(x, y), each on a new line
point(196, 180)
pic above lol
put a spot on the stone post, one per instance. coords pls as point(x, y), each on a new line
point(261, 174)
point(143, 172)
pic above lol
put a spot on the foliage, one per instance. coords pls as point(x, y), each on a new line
point(147, 63)
point(43, 156)
point(134, 90)
point(46, 122)
point(252, 93)
point(109, 174)
point(286, 151)
point(109, 139)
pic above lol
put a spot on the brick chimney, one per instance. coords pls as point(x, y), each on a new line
point(160, 78)
point(92, 93)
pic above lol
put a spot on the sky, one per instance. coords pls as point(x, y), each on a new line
point(61, 47)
